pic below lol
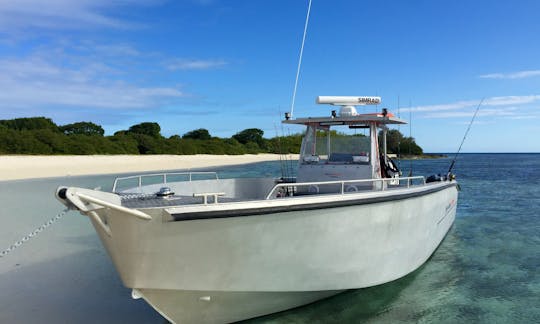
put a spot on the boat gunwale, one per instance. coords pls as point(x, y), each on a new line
point(294, 206)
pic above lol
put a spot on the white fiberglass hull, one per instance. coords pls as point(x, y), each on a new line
point(192, 306)
point(233, 268)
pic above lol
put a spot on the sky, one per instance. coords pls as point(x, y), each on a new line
point(228, 65)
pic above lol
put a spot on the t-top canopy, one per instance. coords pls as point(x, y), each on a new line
point(348, 115)
point(359, 119)
point(348, 100)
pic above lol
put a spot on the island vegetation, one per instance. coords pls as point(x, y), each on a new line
point(40, 135)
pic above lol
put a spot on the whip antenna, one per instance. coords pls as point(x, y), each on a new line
point(300, 58)
point(465, 136)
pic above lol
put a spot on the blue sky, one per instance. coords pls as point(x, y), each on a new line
point(230, 65)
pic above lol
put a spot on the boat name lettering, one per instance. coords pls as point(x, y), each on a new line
point(368, 100)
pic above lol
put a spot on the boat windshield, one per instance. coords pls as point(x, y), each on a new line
point(331, 147)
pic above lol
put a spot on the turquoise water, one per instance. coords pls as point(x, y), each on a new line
point(486, 270)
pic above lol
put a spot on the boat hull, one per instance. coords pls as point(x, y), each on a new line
point(233, 268)
point(192, 306)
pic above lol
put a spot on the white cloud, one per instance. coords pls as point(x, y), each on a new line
point(77, 77)
point(493, 101)
point(510, 111)
point(58, 14)
point(507, 107)
point(195, 64)
point(35, 82)
point(511, 100)
point(115, 50)
point(513, 75)
point(524, 117)
point(476, 122)
point(440, 107)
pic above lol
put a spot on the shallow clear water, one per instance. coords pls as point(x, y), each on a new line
point(486, 270)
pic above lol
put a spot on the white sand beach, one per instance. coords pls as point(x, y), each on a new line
point(15, 167)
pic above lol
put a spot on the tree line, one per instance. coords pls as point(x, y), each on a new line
point(40, 135)
point(401, 145)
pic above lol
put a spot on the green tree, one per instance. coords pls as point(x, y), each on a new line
point(21, 142)
point(39, 135)
point(123, 144)
point(409, 146)
point(79, 145)
point(56, 141)
point(213, 146)
point(147, 128)
point(83, 128)
point(285, 144)
point(394, 140)
point(150, 145)
point(397, 143)
point(253, 135)
point(198, 134)
point(121, 133)
point(233, 147)
point(31, 123)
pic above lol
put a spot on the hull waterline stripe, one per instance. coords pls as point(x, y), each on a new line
point(292, 208)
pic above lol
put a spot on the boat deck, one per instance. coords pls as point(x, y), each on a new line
point(151, 201)
point(214, 191)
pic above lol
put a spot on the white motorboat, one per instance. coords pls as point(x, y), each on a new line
point(223, 250)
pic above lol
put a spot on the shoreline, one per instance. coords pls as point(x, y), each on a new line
point(20, 167)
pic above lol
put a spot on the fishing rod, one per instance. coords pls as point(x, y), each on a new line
point(280, 150)
point(399, 141)
point(465, 136)
point(410, 140)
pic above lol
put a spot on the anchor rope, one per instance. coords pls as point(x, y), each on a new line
point(32, 234)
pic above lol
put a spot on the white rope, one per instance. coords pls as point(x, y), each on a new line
point(300, 58)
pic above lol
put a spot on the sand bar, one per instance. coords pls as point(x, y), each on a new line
point(14, 167)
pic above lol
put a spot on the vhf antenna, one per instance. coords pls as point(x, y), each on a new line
point(300, 60)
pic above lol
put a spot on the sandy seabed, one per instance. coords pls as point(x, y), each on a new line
point(15, 167)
